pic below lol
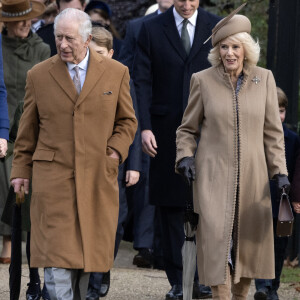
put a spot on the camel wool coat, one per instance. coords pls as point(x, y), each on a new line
point(63, 142)
point(260, 142)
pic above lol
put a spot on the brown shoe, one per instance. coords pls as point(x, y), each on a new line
point(5, 260)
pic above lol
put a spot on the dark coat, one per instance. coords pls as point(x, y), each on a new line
point(129, 45)
point(4, 121)
point(292, 146)
point(295, 188)
point(162, 72)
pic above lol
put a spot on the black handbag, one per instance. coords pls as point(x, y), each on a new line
point(285, 216)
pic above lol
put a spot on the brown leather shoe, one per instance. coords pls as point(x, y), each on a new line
point(5, 260)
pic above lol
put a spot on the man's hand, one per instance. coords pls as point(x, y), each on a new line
point(296, 206)
point(149, 145)
point(132, 177)
point(3, 147)
point(17, 183)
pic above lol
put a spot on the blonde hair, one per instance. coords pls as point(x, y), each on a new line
point(251, 49)
point(102, 37)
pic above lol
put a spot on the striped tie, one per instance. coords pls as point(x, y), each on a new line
point(76, 80)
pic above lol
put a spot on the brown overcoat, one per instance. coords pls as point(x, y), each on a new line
point(63, 143)
point(259, 138)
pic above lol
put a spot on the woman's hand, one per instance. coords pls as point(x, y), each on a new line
point(186, 168)
point(3, 147)
point(132, 177)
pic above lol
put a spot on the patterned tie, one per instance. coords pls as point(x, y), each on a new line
point(76, 80)
point(185, 38)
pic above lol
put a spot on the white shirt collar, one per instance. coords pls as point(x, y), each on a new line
point(179, 18)
point(83, 64)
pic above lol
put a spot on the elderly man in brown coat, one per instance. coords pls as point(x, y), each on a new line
point(77, 126)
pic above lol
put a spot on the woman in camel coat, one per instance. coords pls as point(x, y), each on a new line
point(240, 148)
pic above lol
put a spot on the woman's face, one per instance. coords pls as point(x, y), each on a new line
point(98, 18)
point(18, 29)
point(232, 55)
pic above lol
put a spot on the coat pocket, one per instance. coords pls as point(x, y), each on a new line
point(43, 154)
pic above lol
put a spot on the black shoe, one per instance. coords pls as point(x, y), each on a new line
point(33, 296)
point(175, 292)
point(201, 291)
point(105, 284)
point(92, 294)
point(272, 295)
point(261, 294)
point(33, 292)
point(45, 294)
point(144, 258)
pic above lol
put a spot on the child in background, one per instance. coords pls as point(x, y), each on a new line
point(266, 289)
point(129, 172)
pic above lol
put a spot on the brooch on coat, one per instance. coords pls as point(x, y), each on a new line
point(256, 80)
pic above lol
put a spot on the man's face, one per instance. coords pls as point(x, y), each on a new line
point(186, 8)
point(70, 46)
point(72, 4)
point(164, 4)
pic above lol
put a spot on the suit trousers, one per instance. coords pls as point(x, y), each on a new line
point(66, 284)
point(280, 245)
point(95, 280)
point(144, 212)
point(172, 233)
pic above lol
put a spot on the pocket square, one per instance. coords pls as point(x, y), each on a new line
point(107, 93)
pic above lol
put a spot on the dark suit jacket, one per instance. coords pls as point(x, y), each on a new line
point(161, 73)
point(128, 49)
point(292, 146)
point(134, 159)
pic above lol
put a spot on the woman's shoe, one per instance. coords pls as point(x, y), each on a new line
point(5, 260)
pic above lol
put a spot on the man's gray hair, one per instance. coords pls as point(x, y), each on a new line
point(75, 15)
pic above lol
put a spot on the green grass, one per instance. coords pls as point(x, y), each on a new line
point(290, 275)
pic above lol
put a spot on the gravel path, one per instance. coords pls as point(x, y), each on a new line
point(129, 282)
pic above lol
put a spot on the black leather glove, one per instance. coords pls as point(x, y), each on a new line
point(282, 181)
point(186, 168)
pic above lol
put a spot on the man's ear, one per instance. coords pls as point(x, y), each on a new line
point(87, 42)
point(110, 53)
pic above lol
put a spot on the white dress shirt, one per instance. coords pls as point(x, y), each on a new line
point(191, 26)
point(83, 65)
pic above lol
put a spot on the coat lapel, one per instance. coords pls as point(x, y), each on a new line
point(60, 74)
point(172, 34)
point(93, 75)
point(202, 32)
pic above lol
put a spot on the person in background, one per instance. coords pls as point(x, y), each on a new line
point(146, 231)
point(22, 49)
point(47, 17)
point(100, 12)
point(170, 48)
point(47, 32)
point(4, 130)
point(233, 112)
point(74, 204)
point(266, 289)
point(129, 171)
